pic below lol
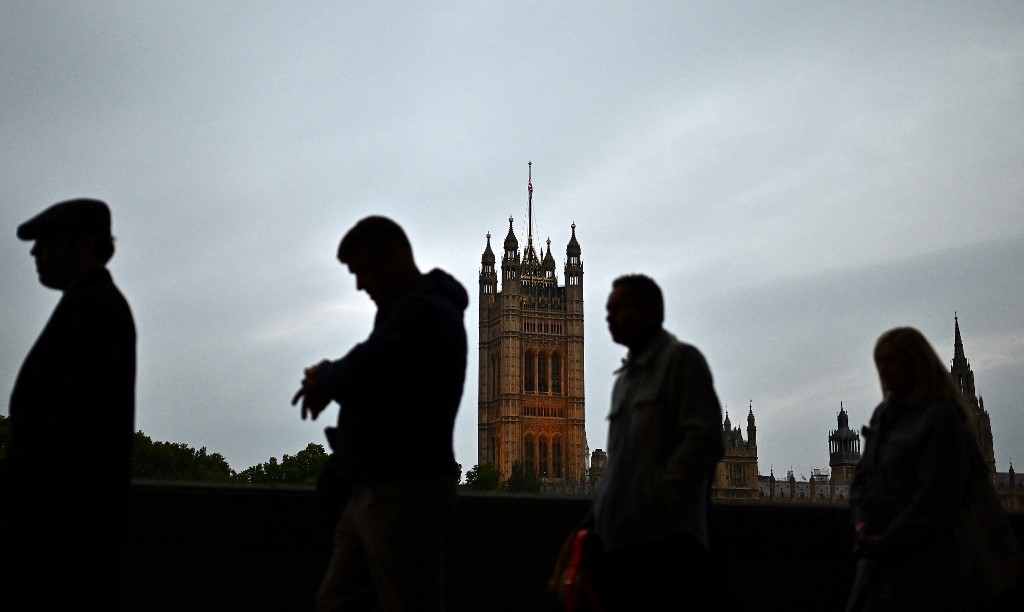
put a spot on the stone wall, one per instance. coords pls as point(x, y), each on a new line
point(198, 547)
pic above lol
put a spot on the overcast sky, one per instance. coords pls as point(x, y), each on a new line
point(798, 176)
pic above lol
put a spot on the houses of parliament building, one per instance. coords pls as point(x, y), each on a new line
point(737, 476)
point(531, 394)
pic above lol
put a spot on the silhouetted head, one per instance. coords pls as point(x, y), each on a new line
point(910, 369)
point(378, 253)
point(71, 237)
point(635, 310)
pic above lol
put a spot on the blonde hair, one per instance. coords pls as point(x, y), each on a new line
point(932, 381)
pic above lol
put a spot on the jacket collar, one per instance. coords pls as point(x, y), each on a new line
point(646, 355)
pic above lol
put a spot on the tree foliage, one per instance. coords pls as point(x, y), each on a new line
point(523, 480)
point(301, 468)
point(483, 478)
point(177, 461)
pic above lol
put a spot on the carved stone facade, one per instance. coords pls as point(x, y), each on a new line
point(844, 453)
point(531, 405)
point(736, 476)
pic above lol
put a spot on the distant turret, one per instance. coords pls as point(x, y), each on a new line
point(843, 449)
point(751, 429)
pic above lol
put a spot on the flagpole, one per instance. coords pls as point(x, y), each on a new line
point(529, 209)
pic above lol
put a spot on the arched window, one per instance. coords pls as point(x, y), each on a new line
point(542, 373)
point(528, 371)
point(495, 371)
point(543, 457)
point(528, 454)
point(556, 458)
point(556, 374)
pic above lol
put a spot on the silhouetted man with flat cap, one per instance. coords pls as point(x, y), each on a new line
point(64, 483)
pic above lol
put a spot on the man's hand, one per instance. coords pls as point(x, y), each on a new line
point(314, 397)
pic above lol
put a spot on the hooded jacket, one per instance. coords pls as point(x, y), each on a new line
point(400, 389)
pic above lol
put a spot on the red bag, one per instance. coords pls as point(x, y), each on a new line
point(571, 584)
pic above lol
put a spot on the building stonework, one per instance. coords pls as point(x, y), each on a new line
point(1009, 485)
point(736, 476)
point(531, 401)
point(843, 450)
point(960, 370)
point(832, 486)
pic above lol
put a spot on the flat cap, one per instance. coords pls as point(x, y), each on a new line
point(81, 215)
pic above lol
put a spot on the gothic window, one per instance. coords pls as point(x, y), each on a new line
point(528, 371)
point(542, 373)
point(528, 455)
point(737, 474)
point(494, 375)
point(556, 373)
point(556, 458)
point(543, 457)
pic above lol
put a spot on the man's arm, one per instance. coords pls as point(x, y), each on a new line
point(397, 343)
point(698, 422)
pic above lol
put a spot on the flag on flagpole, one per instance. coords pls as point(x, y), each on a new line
point(530, 185)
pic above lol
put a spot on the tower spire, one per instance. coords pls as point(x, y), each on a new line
point(960, 368)
point(961, 371)
point(958, 344)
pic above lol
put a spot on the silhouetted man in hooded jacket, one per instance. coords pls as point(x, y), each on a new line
point(398, 393)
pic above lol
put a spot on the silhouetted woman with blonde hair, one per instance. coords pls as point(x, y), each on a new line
point(908, 491)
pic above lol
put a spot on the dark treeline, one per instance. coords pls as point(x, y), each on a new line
point(177, 461)
point(486, 478)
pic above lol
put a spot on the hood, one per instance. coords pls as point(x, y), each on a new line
point(439, 283)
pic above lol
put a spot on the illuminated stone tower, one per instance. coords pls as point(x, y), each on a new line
point(964, 377)
point(531, 399)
